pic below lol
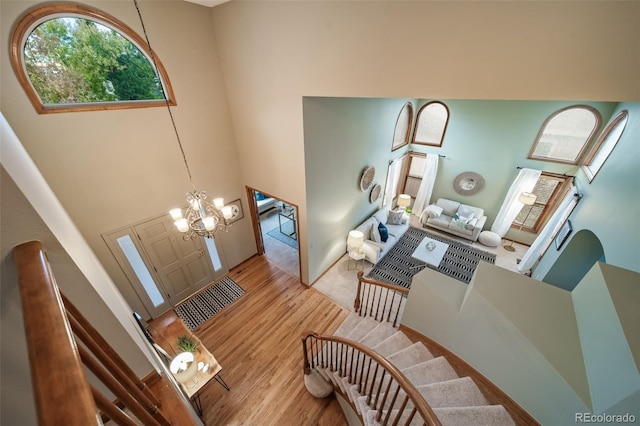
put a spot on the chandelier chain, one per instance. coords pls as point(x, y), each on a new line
point(164, 94)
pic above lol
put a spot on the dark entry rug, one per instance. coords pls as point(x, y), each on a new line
point(198, 309)
point(398, 267)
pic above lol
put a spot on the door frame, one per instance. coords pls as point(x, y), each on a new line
point(110, 238)
point(255, 222)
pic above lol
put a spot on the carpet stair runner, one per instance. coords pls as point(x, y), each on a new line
point(457, 401)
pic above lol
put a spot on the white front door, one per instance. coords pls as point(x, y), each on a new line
point(162, 267)
point(182, 266)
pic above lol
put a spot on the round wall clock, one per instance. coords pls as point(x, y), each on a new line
point(368, 174)
point(468, 183)
point(375, 193)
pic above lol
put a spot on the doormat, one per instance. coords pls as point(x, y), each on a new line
point(398, 266)
point(196, 310)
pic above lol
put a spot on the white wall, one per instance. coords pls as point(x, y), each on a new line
point(556, 353)
point(494, 339)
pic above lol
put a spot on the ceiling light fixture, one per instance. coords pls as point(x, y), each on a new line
point(201, 217)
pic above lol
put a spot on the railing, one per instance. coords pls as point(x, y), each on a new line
point(62, 392)
point(379, 300)
point(387, 390)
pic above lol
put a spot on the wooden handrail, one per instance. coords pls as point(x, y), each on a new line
point(62, 393)
point(113, 357)
point(378, 299)
point(365, 368)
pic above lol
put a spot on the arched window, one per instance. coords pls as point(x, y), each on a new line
point(566, 134)
point(606, 142)
point(402, 131)
point(431, 124)
point(71, 57)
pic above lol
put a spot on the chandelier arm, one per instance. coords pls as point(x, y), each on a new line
point(164, 95)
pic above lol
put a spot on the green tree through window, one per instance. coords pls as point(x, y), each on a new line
point(70, 57)
point(76, 60)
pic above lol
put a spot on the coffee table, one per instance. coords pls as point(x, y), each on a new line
point(432, 257)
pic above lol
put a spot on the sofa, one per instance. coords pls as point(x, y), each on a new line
point(455, 218)
point(264, 202)
point(374, 247)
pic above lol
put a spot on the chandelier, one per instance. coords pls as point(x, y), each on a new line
point(201, 218)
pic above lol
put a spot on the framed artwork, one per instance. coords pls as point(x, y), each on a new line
point(563, 234)
point(236, 207)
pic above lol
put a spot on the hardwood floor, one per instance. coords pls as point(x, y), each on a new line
point(257, 342)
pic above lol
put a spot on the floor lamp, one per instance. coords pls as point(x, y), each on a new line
point(528, 199)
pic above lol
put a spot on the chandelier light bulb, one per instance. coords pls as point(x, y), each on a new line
point(227, 212)
point(209, 223)
point(176, 214)
point(182, 225)
point(218, 203)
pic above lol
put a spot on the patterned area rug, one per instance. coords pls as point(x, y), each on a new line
point(204, 305)
point(398, 267)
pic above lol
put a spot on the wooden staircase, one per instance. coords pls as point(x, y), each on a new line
point(386, 377)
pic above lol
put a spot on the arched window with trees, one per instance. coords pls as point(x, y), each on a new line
point(72, 57)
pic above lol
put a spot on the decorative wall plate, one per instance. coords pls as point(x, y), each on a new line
point(375, 193)
point(468, 183)
point(368, 174)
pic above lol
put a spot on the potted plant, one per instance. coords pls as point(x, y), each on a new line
point(187, 344)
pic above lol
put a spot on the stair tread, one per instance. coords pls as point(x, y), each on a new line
point(392, 344)
point(459, 392)
point(484, 415)
point(348, 324)
point(364, 326)
point(378, 334)
point(411, 355)
point(435, 370)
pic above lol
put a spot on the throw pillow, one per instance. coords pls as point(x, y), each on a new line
point(434, 211)
point(466, 211)
point(384, 232)
point(461, 221)
point(472, 224)
point(259, 196)
point(395, 218)
point(375, 234)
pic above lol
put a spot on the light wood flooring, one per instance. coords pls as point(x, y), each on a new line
point(257, 342)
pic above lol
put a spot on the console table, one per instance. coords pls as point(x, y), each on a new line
point(166, 338)
point(287, 214)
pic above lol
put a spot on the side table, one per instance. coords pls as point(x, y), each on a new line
point(357, 257)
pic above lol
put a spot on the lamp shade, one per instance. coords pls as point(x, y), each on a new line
point(355, 239)
point(527, 198)
point(404, 200)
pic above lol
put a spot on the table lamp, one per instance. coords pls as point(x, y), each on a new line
point(404, 201)
point(355, 240)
